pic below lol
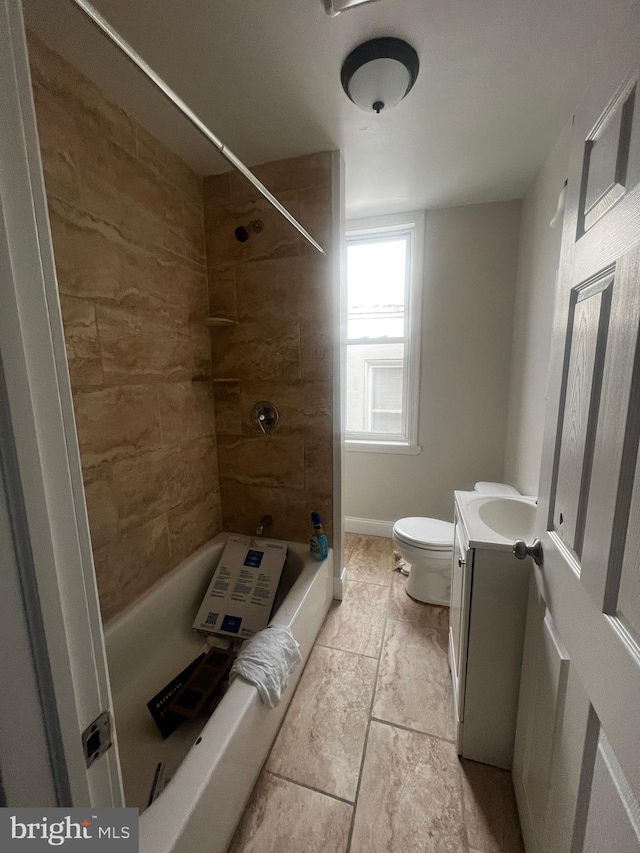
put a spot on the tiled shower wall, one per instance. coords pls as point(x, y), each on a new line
point(127, 222)
point(277, 289)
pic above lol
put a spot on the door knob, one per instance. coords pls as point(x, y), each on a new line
point(522, 550)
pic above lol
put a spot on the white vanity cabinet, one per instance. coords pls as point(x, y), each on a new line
point(486, 633)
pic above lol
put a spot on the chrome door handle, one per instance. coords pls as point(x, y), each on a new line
point(522, 550)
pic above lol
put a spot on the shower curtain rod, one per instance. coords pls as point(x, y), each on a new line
point(146, 69)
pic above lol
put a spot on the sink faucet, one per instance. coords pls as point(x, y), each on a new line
point(265, 521)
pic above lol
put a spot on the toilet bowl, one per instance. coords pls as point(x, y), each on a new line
point(427, 545)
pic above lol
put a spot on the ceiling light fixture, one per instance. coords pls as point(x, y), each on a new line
point(379, 73)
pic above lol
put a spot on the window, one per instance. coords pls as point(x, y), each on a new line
point(383, 394)
point(383, 333)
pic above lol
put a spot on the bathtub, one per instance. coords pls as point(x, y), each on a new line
point(214, 764)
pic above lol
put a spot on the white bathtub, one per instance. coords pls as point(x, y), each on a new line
point(152, 642)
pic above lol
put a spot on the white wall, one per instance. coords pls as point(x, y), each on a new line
point(470, 268)
point(537, 263)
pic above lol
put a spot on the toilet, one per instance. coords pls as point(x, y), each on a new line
point(427, 545)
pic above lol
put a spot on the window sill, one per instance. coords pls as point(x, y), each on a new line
point(351, 445)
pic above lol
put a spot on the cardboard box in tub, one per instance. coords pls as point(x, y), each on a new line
point(243, 587)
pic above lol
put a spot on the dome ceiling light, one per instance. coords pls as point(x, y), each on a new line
point(379, 73)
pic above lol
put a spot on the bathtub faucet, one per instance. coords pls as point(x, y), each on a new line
point(265, 521)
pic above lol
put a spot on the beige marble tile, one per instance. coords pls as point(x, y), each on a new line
point(269, 290)
point(282, 817)
point(292, 173)
point(201, 458)
point(96, 260)
point(78, 95)
point(264, 460)
point(350, 541)
point(187, 411)
point(270, 350)
point(409, 798)
point(371, 560)
point(321, 740)
point(318, 461)
point(215, 189)
point(201, 352)
point(193, 523)
point(193, 225)
point(56, 127)
point(114, 423)
point(304, 407)
point(414, 688)
point(403, 608)
point(201, 413)
point(168, 165)
point(278, 238)
point(356, 624)
point(316, 286)
point(81, 338)
point(130, 564)
point(491, 814)
point(294, 287)
point(228, 414)
point(244, 505)
point(151, 483)
point(314, 212)
point(102, 507)
point(222, 289)
point(316, 347)
point(138, 347)
point(119, 188)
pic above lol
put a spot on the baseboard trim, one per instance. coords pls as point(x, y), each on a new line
point(368, 526)
point(339, 585)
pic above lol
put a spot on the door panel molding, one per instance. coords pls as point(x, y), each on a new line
point(588, 472)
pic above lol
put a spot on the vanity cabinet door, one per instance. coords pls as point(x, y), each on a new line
point(459, 614)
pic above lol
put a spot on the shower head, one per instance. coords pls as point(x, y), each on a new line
point(243, 232)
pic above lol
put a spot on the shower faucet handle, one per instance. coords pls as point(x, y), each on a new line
point(265, 416)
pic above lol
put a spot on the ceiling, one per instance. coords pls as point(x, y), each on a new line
point(498, 80)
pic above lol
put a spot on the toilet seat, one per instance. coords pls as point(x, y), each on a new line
point(429, 534)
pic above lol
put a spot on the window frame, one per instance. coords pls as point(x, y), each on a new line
point(376, 229)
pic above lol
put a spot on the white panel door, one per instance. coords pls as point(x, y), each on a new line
point(577, 764)
point(57, 587)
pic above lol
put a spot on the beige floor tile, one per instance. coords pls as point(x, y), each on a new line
point(490, 809)
point(402, 608)
point(371, 560)
point(321, 741)
point(350, 540)
point(356, 624)
point(409, 799)
point(414, 686)
point(285, 818)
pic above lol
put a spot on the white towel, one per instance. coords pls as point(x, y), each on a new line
point(267, 660)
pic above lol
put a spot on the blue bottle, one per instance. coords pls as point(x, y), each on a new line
point(318, 544)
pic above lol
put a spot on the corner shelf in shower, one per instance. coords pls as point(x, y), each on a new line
point(219, 322)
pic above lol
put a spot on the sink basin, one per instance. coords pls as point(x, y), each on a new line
point(508, 517)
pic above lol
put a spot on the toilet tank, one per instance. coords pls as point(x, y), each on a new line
point(495, 489)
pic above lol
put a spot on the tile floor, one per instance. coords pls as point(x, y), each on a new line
point(365, 760)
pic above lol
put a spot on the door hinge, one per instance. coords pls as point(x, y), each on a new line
point(96, 738)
